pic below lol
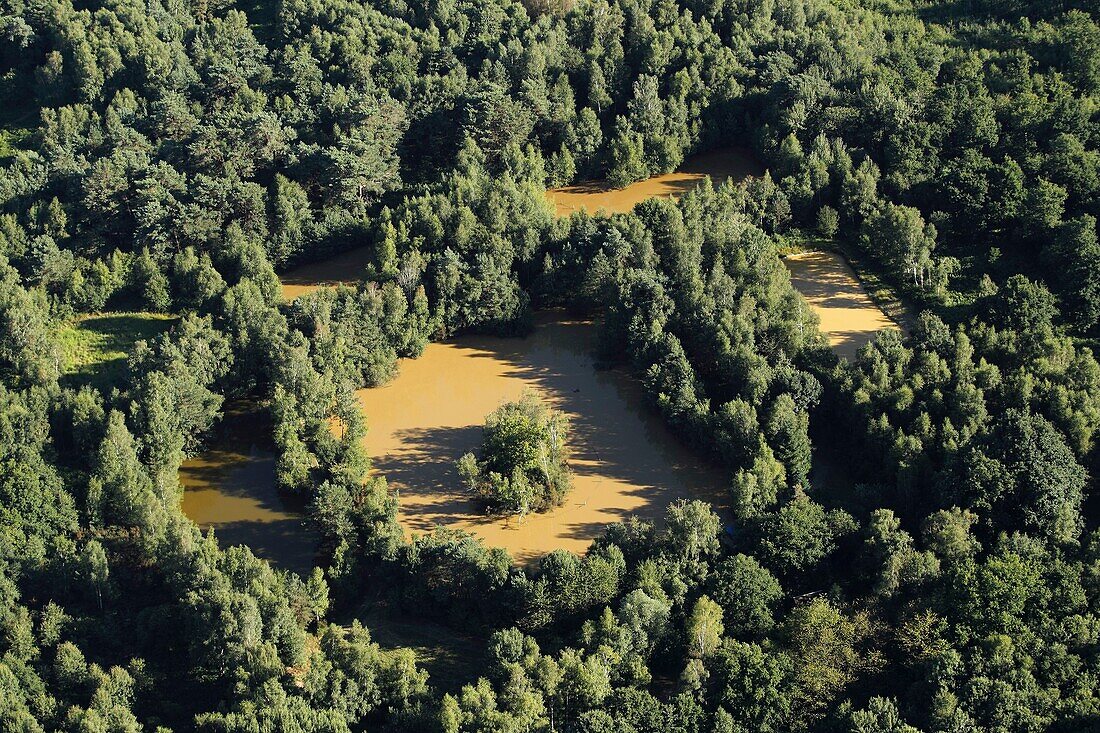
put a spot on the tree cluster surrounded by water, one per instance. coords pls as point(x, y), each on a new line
point(522, 466)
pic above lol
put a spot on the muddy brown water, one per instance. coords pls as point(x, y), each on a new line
point(596, 196)
point(624, 460)
point(231, 488)
point(849, 318)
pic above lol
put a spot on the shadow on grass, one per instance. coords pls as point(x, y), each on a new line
point(97, 346)
point(451, 658)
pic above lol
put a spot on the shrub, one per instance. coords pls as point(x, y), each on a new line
point(521, 465)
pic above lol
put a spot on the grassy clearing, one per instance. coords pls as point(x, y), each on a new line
point(94, 347)
point(797, 241)
point(450, 658)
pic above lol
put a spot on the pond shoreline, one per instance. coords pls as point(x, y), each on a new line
point(625, 459)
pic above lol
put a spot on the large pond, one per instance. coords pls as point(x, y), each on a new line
point(231, 488)
point(625, 461)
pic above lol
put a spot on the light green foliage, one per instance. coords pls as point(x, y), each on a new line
point(521, 465)
point(94, 348)
point(704, 628)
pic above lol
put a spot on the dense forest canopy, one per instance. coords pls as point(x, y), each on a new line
point(164, 160)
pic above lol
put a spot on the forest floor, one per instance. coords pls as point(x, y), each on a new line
point(449, 657)
point(94, 347)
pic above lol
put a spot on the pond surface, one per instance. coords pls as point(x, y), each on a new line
point(625, 461)
point(344, 268)
point(231, 487)
point(849, 318)
point(594, 196)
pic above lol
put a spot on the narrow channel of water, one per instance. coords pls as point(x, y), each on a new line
point(592, 196)
point(848, 316)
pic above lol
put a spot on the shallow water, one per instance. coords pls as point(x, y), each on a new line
point(849, 318)
point(232, 489)
point(625, 461)
point(594, 196)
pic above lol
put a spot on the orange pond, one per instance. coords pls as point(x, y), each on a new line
point(594, 196)
point(849, 318)
point(232, 489)
point(625, 461)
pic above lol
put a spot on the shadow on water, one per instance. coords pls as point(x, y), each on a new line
point(849, 318)
point(594, 196)
point(345, 268)
point(231, 488)
point(624, 460)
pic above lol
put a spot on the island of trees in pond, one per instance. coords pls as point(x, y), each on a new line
point(522, 465)
point(162, 161)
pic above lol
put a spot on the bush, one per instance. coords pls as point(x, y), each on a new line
point(522, 462)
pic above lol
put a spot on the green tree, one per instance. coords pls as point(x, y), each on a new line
point(747, 593)
point(522, 462)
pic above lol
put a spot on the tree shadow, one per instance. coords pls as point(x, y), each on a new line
point(849, 318)
point(290, 543)
point(625, 460)
point(344, 268)
point(231, 488)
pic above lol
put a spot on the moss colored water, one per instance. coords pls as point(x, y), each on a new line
point(232, 489)
point(625, 461)
point(595, 196)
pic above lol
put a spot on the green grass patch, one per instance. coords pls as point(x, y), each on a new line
point(451, 659)
point(797, 241)
point(94, 347)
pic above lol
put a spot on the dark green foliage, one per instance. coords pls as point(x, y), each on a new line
point(165, 158)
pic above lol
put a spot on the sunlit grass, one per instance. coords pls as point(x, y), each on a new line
point(94, 347)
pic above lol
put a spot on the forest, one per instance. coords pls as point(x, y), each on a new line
point(163, 161)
